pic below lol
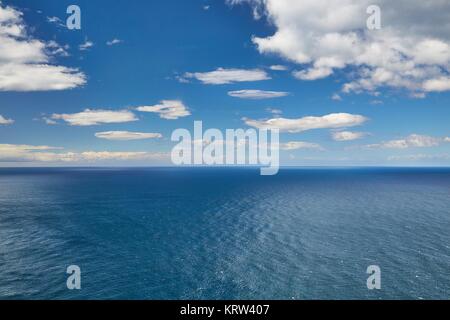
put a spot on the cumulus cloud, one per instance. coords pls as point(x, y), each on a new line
point(334, 120)
point(25, 62)
point(4, 121)
point(167, 109)
point(412, 141)
point(28, 153)
point(313, 74)
point(226, 76)
point(347, 135)
point(408, 52)
point(126, 135)
point(437, 85)
point(95, 117)
point(257, 94)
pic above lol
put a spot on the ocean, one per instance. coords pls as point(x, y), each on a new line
point(224, 233)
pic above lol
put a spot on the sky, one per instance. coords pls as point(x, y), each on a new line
point(112, 92)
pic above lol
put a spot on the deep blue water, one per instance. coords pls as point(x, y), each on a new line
point(172, 233)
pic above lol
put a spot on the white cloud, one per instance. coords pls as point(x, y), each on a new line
point(226, 76)
point(168, 109)
point(347, 135)
point(336, 97)
point(412, 141)
point(12, 152)
point(6, 148)
point(57, 21)
point(24, 61)
point(418, 95)
point(295, 145)
point(313, 74)
point(126, 135)
point(408, 52)
point(274, 111)
point(437, 85)
point(49, 121)
point(181, 79)
point(95, 117)
point(334, 120)
point(113, 42)
point(27, 153)
point(278, 67)
point(447, 139)
point(38, 77)
point(58, 50)
point(86, 45)
point(53, 19)
point(257, 94)
point(108, 155)
point(419, 157)
point(4, 121)
point(287, 146)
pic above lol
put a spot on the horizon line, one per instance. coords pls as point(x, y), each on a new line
point(226, 167)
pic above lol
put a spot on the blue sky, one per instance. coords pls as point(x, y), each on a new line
point(165, 51)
